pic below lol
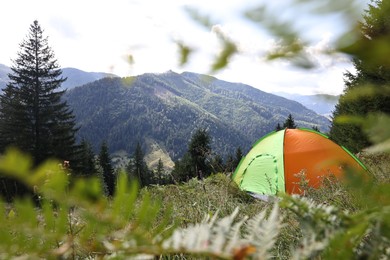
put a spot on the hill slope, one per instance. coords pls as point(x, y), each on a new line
point(78, 77)
point(165, 109)
point(320, 103)
point(75, 77)
point(4, 70)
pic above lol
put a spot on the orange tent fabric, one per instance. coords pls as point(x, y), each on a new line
point(314, 154)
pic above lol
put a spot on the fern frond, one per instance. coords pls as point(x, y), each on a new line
point(309, 247)
point(225, 237)
point(262, 232)
point(234, 235)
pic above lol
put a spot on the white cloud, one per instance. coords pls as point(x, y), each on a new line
point(98, 35)
point(281, 76)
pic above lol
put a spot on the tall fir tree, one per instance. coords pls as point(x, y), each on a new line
point(140, 170)
point(372, 70)
point(199, 149)
point(315, 128)
point(86, 162)
point(160, 167)
point(33, 117)
point(289, 123)
point(230, 164)
point(109, 177)
point(160, 172)
point(238, 158)
point(217, 164)
point(183, 170)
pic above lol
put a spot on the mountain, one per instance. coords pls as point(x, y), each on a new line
point(75, 77)
point(78, 77)
point(162, 111)
point(4, 70)
point(322, 104)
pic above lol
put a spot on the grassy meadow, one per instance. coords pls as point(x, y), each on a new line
point(192, 201)
point(200, 219)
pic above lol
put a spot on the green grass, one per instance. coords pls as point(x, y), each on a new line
point(341, 220)
point(192, 201)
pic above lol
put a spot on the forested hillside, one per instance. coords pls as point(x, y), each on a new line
point(165, 109)
point(76, 77)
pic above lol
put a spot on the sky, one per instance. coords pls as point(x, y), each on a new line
point(101, 35)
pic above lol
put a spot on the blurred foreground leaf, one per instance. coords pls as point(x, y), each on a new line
point(229, 48)
point(184, 53)
point(375, 125)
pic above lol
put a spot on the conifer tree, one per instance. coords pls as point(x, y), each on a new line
point(217, 163)
point(160, 167)
point(87, 166)
point(372, 70)
point(196, 161)
point(238, 157)
point(160, 172)
point(33, 117)
point(315, 128)
point(137, 167)
point(230, 163)
point(289, 123)
point(109, 177)
point(183, 170)
point(278, 127)
point(199, 149)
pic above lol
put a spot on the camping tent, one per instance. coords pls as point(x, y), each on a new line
point(274, 162)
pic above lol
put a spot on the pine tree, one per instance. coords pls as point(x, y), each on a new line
point(238, 157)
point(108, 171)
point(199, 149)
point(217, 163)
point(371, 70)
point(289, 123)
point(183, 170)
point(230, 164)
point(87, 165)
point(33, 117)
point(278, 127)
point(137, 167)
point(160, 172)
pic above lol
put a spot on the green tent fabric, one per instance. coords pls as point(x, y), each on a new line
point(266, 158)
point(274, 162)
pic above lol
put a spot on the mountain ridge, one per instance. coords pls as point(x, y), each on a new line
point(75, 77)
point(322, 104)
point(167, 108)
point(154, 108)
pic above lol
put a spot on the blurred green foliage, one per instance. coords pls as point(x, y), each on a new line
point(73, 219)
point(199, 219)
point(290, 42)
